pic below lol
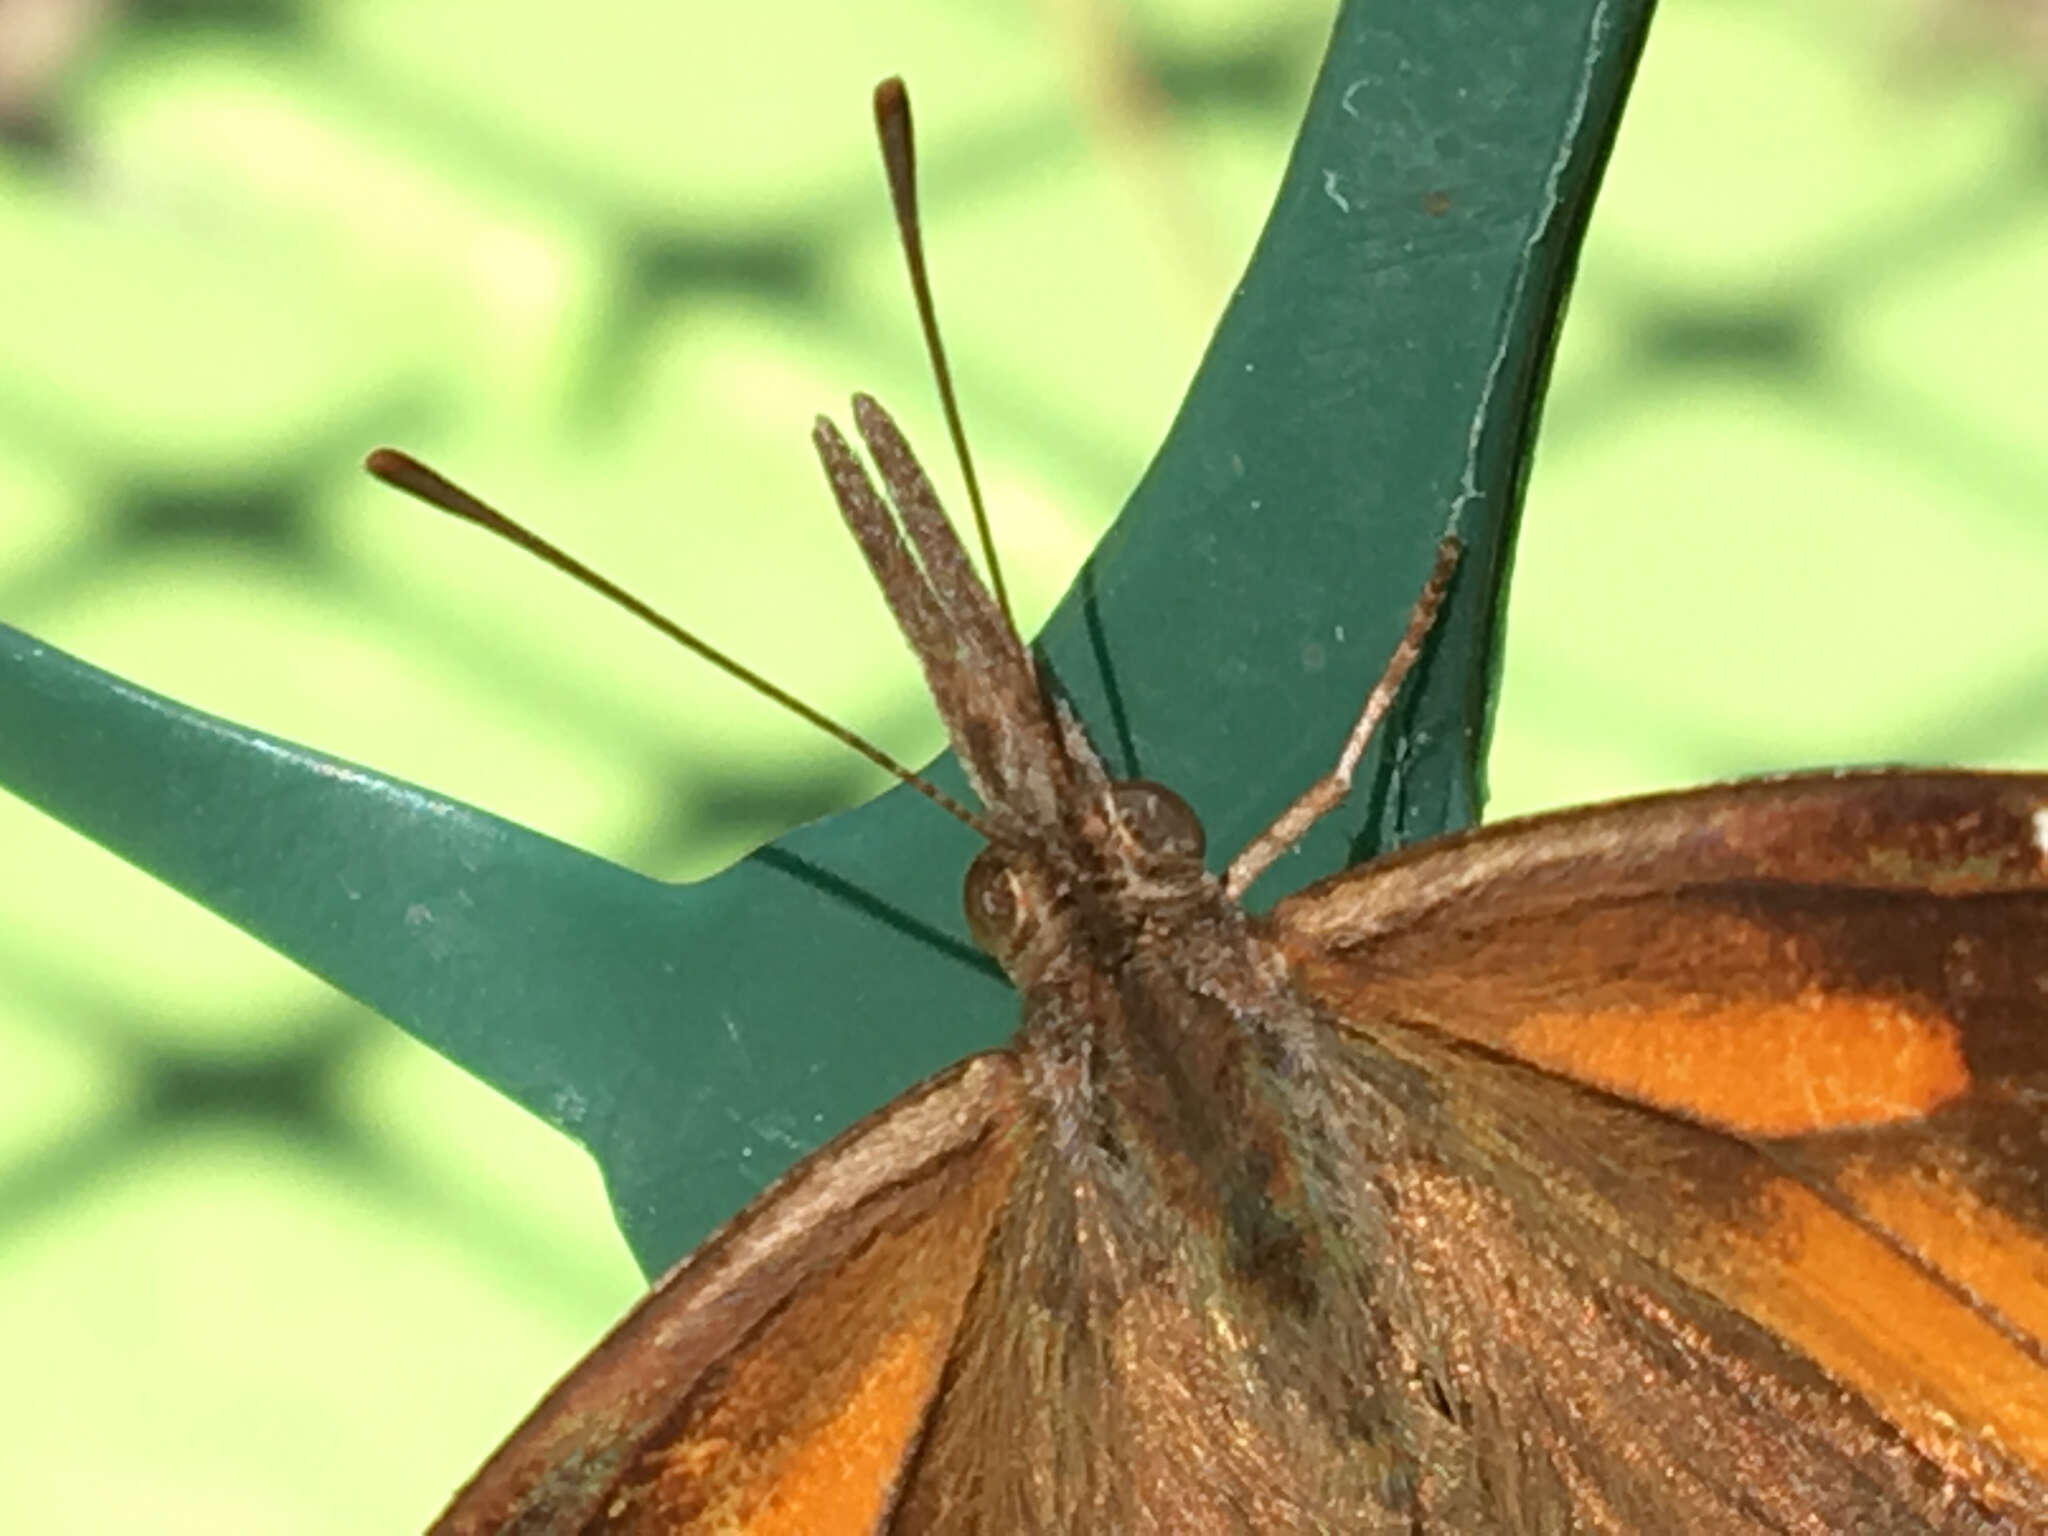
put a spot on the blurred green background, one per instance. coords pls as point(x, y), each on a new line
point(267, 1265)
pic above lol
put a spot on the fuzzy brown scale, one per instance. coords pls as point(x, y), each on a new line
point(1668, 1165)
point(1154, 1013)
point(1291, 1204)
point(1154, 1017)
point(1297, 1223)
point(1679, 1164)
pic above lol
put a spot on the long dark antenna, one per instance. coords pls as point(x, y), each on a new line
point(899, 159)
point(408, 474)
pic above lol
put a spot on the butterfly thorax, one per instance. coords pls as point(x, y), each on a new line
point(1183, 1194)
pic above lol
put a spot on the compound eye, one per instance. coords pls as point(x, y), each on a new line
point(995, 913)
point(1157, 819)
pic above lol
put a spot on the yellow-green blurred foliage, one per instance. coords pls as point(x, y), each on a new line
point(265, 1264)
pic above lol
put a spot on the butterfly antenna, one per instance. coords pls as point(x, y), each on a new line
point(899, 159)
point(408, 474)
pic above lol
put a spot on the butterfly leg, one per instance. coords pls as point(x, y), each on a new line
point(1328, 792)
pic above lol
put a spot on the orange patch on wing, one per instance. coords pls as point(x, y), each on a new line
point(1960, 1388)
point(840, 1477)
point(806, 1423)
point(1815, 1062)
point(2001, 1262)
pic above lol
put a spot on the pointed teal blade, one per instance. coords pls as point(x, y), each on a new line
point(1375, 381)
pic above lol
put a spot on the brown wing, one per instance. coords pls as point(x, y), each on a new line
point(1733, 1203)
point(777, 1378)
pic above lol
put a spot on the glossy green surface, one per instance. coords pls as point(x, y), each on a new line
point(268, 1264)
point(1371, 387)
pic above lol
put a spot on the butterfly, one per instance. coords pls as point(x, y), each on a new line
point(1676, 1164)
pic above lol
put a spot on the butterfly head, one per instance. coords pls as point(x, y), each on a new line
point(1136, 849)
point(1066, 842)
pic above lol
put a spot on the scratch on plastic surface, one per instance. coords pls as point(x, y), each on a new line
point(1330, 191)
point(424, 925)
point(303, 759)
point(569, 1107)
point(1344, 102)
point(739, 1046)
point(745, 1150)
point(1468, 484)
point(325, 768)
point(763, 1131)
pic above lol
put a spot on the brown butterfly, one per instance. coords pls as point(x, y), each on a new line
point(1675, 1165)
